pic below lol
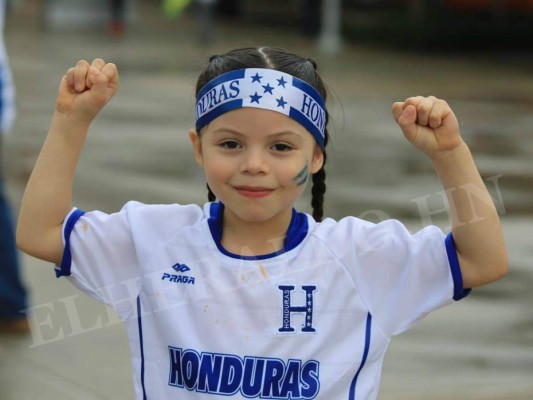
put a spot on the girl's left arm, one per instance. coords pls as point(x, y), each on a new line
point(431, 126)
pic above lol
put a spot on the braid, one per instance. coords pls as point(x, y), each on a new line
point(318, 190)
point(319, 185)
point(210, 195)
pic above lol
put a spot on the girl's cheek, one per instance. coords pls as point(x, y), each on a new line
point(300, 178)
point(218, 163)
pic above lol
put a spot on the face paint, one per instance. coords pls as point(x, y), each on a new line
point(301, 178)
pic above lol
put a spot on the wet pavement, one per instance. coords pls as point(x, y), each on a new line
point(480, 348)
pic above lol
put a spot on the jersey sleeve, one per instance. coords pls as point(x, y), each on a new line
point(100, 257)
point(400, 276)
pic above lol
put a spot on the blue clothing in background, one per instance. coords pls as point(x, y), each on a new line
point(12, 292)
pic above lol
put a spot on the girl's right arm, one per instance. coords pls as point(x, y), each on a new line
point(83, 91)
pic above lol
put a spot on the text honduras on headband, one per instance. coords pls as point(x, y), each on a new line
point(263, 88)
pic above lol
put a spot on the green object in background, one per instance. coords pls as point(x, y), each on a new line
point(173, 8)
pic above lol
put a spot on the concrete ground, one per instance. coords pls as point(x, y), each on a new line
point(480, 348)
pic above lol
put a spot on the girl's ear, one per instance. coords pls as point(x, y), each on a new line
point(318, 160)
point(196, 147)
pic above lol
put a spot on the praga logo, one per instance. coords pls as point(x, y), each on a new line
point(180, 268)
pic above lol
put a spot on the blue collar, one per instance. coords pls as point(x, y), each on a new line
point(296, 232)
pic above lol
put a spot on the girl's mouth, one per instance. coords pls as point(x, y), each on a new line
point(253, 192)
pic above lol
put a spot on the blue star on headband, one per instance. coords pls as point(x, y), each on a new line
point(255, 98)
point(256, 78)
point(268, 88)
point(254, 87)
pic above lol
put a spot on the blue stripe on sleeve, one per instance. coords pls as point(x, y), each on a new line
point(368, 332)
point(139, 321)
point(66, 261)
point(459, 291)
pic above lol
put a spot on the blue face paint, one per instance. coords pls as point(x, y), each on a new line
point(301, 177)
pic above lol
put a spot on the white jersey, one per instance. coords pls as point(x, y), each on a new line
point(312, 321)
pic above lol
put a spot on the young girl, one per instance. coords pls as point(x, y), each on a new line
point(247, 297)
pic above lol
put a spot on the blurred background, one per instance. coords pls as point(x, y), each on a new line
point(476, 54)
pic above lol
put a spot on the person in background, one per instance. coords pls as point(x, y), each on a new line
point(311, 17)
point(12, 291)
point(117, 25)
point(206, 20)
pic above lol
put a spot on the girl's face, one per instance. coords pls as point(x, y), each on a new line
point(257, 162)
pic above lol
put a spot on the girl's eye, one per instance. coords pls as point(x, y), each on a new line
point(230, 144)
point(282, 147)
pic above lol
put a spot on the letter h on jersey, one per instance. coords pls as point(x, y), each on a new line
point(288, 309)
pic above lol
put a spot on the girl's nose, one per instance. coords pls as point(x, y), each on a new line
point(254, 162)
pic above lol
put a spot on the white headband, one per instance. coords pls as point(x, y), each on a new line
point(263, 88)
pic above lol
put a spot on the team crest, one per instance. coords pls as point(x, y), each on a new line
point(289, 294)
